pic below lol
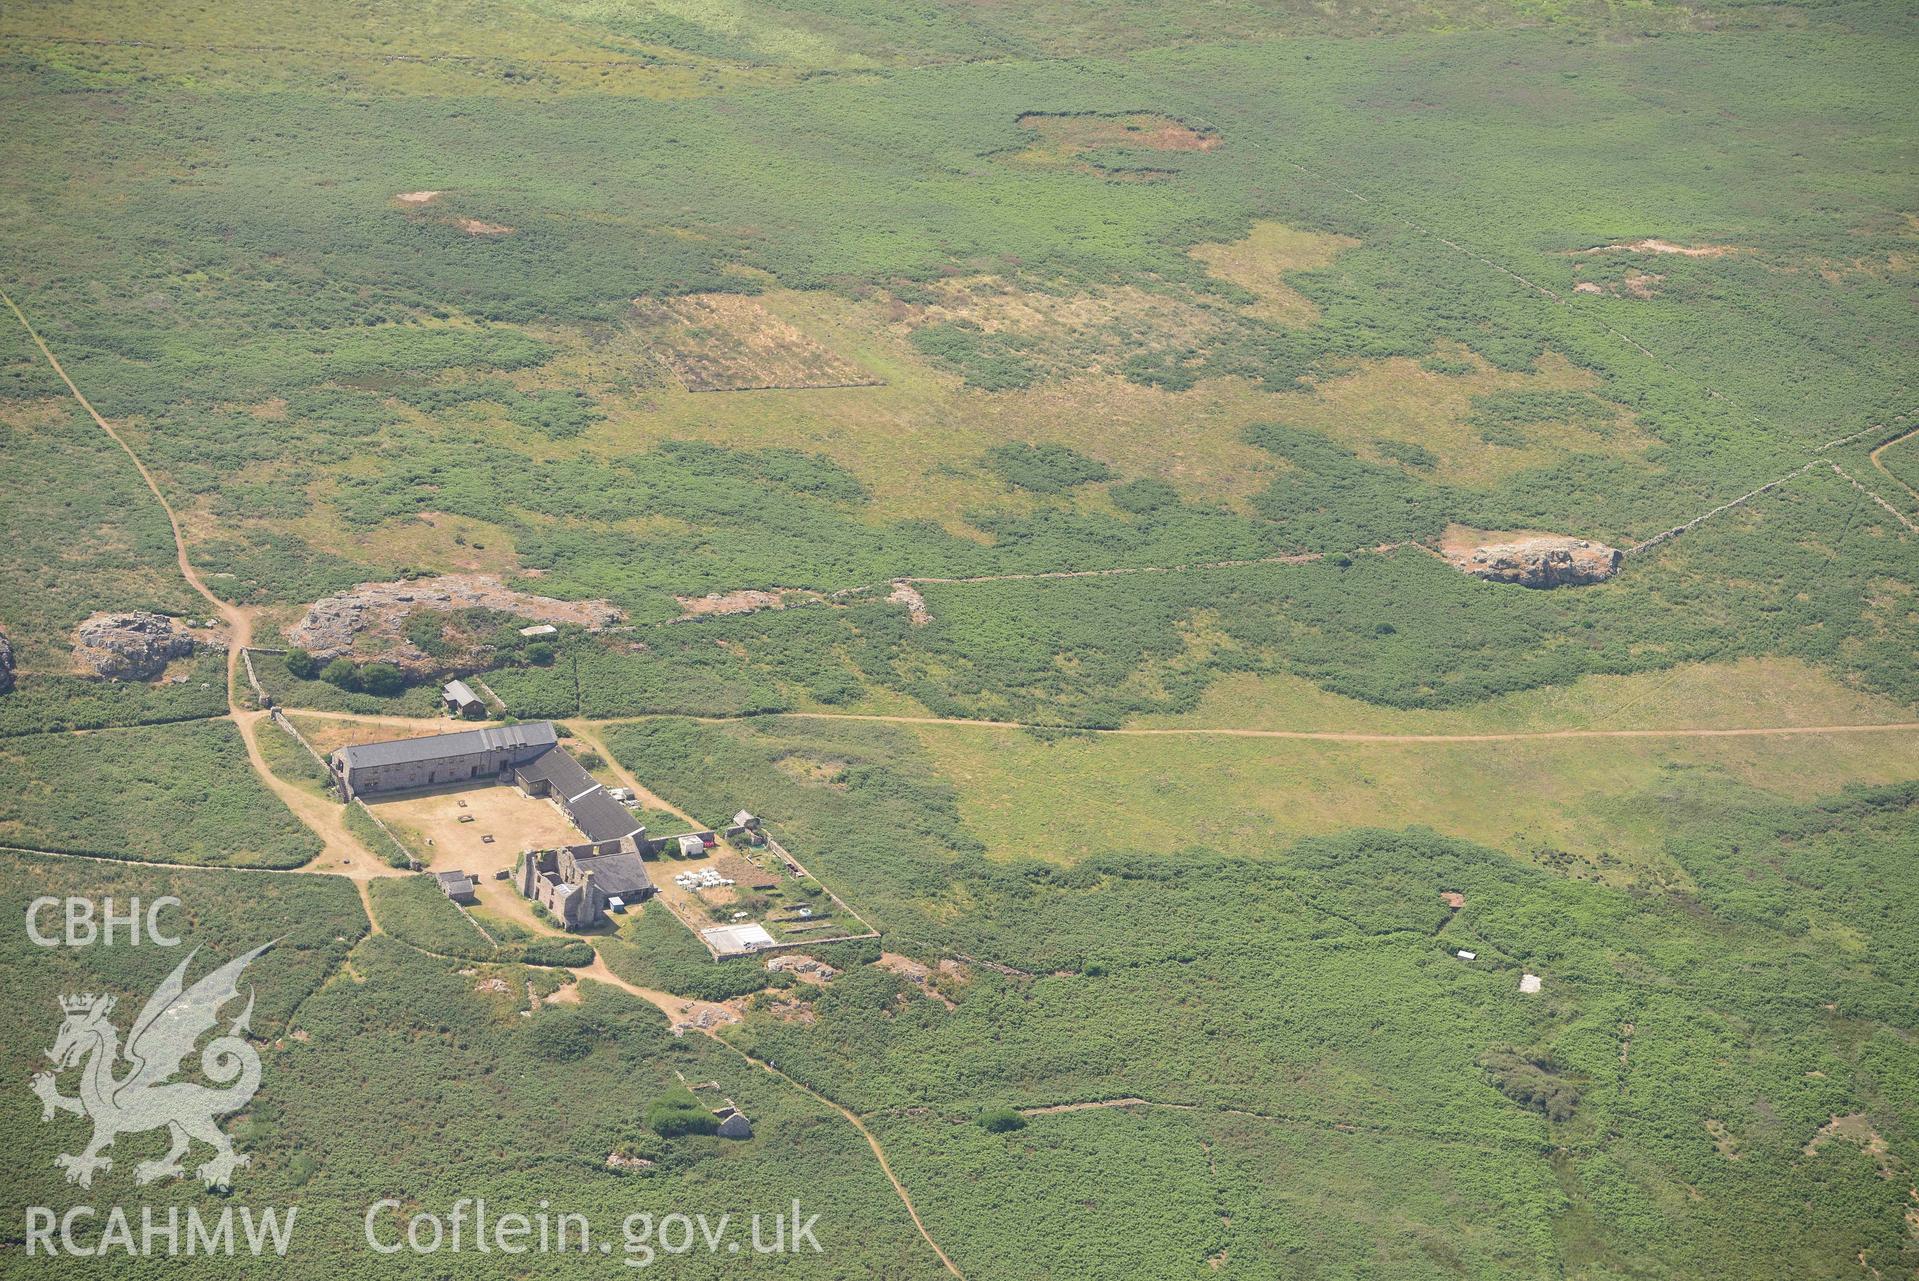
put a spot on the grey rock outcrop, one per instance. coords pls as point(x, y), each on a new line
point(130, 647)
point(1540, 562)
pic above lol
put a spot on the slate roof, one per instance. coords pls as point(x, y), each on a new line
point(460, 692)
point(532, 737)
point(592, 810)
point(455, 884)
point(601, 817)
point(619, 875)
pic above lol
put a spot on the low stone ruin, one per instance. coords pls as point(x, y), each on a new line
point(1545, 561)
point(130, 647)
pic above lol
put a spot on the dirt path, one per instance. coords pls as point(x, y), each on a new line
point(1890, 510)
point(1100, 1103)
point(879, 1152)
point(1291, 558)
point(1887, 472)
point(343, 850)
point(239, 623)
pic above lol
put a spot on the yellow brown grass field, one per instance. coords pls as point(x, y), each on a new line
point(1261, 261)
point(1598, 800)
point(916, 440)
point(329, 733)
point(1398, 400)
point(729, 342)
point(1748, 693)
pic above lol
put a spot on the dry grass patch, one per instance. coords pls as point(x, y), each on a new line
point(1746, 694)
point(1857, 1130)
point(1654, 245)
point(1066, 140)
point(1398, 400)
point(1261, 262)
point(729, 342)
point(1589, 805)
point(915, 440)
point(328, 733)
point(1122, 318)
point(1064, 330)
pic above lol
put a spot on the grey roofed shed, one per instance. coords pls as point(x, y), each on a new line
point(455, 885)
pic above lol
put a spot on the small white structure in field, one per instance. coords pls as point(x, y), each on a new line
point(540, 629)
point(735, 940)
point(1529, 984)
point(1464, 955)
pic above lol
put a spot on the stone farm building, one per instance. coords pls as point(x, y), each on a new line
point(579, 883)
point(528, 756)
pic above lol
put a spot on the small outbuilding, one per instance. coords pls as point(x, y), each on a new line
point(737, 940)
point(691, 846)
point(1529, 984)
point(462, 702)
point(1464, 955)
point(456, 885)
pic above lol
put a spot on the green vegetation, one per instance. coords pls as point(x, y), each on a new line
point(1045, 469)
point(468, 1082)
point(169, 793)
point(1243, 994)
point(288, 689)
point(1138, 288)
point(414, 910)
point(375, 837)
point(677, 1112)
point(46, 703)
point(654, 950)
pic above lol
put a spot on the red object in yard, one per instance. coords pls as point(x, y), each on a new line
point(709, 840)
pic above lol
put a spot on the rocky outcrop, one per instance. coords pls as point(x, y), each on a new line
point(904, 593)
point(6, 664)
point(1546, 561)
point(130, 647)
point(329, 626)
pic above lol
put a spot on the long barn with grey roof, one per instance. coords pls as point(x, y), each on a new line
point(527, 755)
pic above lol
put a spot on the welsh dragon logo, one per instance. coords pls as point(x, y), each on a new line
point(144, 1096)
